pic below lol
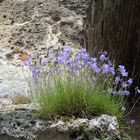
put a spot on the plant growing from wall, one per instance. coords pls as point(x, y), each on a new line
point(67, 84)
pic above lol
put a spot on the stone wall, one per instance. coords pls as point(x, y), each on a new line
point(33, 25)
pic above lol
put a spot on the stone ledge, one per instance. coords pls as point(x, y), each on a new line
point(19, 124)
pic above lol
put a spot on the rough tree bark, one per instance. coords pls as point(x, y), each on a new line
point(114, 25)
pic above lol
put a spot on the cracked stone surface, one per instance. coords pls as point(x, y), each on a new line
point(20, 125)
point(34, 25)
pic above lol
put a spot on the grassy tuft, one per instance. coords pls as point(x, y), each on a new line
point(74, 97)
point(67, 84)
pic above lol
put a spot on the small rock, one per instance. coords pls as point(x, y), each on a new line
point(111, 128)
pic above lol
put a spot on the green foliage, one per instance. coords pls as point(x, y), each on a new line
point(71, 96)
point(64, 84)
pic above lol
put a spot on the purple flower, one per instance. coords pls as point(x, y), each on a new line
point(106, 68)
point(29, 59)
point(35, 74)
point(65, 54)
point(110, 63)
point(82, 63)
point(114, 92)
point(55, 52)
point(47, 52)
point(130, 81)
point(53, 58)
point(121, 67)
point(66, 49)
point(123, 71)
point(138, 91)
point(89, 63)
point(77, 58)
point(77, 67)
point(127, 93)
point(132, 122)
point(103, 58)
point(124, 74)
point(95, 68)
point(121, 92)
point(85, 56)
point(68, 63)
point(124, 85)
point(83, 50)
point(32, 68)
point(23, 63)
point(112, 70)
point(94, 79)
point(93, 59)
point(117, 80)
point(43, 62)
point(105, 52)
point(60, 60)
point(124, 92)
point(26, 62)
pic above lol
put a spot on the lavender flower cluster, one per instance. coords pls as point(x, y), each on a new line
point(100, 70)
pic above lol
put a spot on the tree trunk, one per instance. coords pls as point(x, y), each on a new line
point(114, 25)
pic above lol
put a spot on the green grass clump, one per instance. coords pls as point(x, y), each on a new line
point(73, 97)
